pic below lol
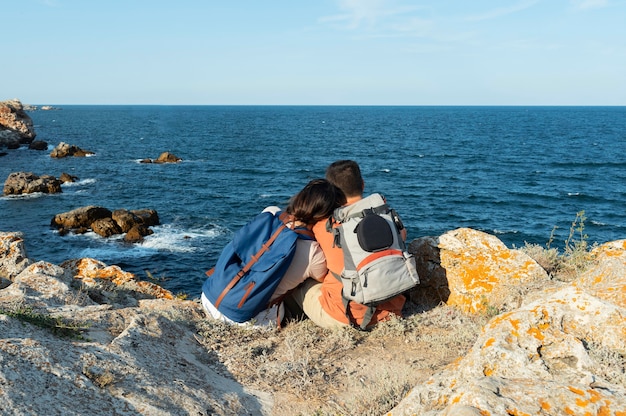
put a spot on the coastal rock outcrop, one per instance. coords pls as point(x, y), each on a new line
point(165, 157)
point(66, 177)
point(65, 150)
point(83, 329)
point(16, 127)
point(107, 223)
point(85, 338)
point(560, 352)
point(19, 183)
point(472, 271)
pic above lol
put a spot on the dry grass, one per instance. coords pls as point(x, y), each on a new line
point(311, 370)
point(575, 258)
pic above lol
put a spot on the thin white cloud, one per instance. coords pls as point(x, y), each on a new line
point(589, 4)
point(503, 11)
point(366, 13)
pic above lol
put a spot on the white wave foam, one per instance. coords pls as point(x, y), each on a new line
point(33, 195)
point(385, 170)
point(173, 239)
point(166, 238)
point(496, 231)
point(79, 183)
point(574, 194)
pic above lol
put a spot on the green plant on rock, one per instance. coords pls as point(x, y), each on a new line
point(59, 326)
point(575, 258)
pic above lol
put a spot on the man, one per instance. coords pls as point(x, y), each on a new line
point(322, 301)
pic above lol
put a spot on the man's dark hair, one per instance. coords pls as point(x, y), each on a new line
point(346, 175)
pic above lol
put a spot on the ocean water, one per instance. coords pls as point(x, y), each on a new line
point(515, 172)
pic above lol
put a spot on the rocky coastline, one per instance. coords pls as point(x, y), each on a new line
point(550, 347)
point(16, 127)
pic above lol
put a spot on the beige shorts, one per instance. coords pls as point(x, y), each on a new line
point(307, 297)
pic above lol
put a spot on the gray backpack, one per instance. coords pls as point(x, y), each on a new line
point(377, 266)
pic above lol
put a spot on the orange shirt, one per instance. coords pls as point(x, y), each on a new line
point(331, 299)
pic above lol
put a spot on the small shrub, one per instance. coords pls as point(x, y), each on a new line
point(99, 376)
point(547, 258)
point(575, 258)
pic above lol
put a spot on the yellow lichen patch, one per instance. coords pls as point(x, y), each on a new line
point(484, 413)
point(489, 342)
point(535, 332)
point(582, 402)
point(515, 412)
point(504, 254)
point(478, 276)
point(545, 406)
point(155, 290)
point(576, 391)
point(604, 410)
point(568, 411)
point(488, 370)
point(499, 319)
point(594, 396)
point(456, 399)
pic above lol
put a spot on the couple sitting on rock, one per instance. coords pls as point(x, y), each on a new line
point(309, 285)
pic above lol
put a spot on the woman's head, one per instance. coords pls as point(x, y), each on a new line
point(316, 201)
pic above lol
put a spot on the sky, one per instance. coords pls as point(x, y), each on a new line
point(314, 52)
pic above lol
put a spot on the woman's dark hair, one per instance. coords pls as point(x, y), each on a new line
point(316, 201)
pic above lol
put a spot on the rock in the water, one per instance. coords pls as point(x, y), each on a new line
point(19, 183)
point(16, 127)
point(64, 150)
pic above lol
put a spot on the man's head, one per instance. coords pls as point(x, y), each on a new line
point(346, 175)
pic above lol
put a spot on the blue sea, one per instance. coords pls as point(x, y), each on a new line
point(515, 172)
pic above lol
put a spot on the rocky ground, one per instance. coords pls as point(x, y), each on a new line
point(489, 332)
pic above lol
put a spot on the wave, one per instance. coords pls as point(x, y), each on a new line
point(173, 239)
point(79, 183)
point(165, 239)
point(500, 232)
point(33, 195)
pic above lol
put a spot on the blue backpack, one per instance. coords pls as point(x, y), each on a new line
point(251, 266)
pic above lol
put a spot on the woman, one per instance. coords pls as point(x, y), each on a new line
point(316, 201)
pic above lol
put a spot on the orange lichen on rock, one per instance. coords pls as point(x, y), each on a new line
point(515, 412)
point(576, 390)
point(88, 270)
point(535, 332)
point(545, 406)
point(155, 290)
point(481, 271)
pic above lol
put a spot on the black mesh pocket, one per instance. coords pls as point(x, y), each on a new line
point(374, 233)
